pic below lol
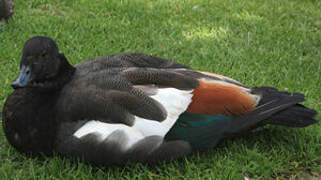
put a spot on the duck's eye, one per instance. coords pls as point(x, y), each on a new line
point(43, 54)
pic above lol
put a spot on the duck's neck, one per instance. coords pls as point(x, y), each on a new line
point(66, 72)
point(65, 77)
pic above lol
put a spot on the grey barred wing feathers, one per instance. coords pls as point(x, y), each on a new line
point(142, 141)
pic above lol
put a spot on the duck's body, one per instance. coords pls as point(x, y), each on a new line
point(134, 107)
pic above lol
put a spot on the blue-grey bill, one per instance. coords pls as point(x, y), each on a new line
point(23, 77)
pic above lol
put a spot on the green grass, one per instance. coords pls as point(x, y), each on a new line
point(258, 42)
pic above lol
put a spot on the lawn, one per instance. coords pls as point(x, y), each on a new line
point(258, 42)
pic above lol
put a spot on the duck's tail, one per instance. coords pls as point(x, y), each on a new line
point(275, 107)
point(294, 115)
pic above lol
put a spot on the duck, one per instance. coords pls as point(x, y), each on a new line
point(133, 107)
point(6, 9)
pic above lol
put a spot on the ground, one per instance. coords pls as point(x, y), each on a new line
point(258, 42)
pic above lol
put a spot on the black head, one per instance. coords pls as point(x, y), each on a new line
point(42, 65)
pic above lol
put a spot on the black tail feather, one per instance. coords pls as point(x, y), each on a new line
point(275, 107)
point(296, 115)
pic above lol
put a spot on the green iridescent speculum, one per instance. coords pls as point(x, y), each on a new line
point(197, 128)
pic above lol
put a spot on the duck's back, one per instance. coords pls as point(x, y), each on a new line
point(125, 60)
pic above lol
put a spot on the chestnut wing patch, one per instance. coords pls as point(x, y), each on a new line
point(221, 97)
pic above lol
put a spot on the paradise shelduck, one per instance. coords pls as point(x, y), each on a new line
point(133, 107)
point(6, 9)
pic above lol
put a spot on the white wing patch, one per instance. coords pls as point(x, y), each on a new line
point(103, 130)
point(173, 100)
